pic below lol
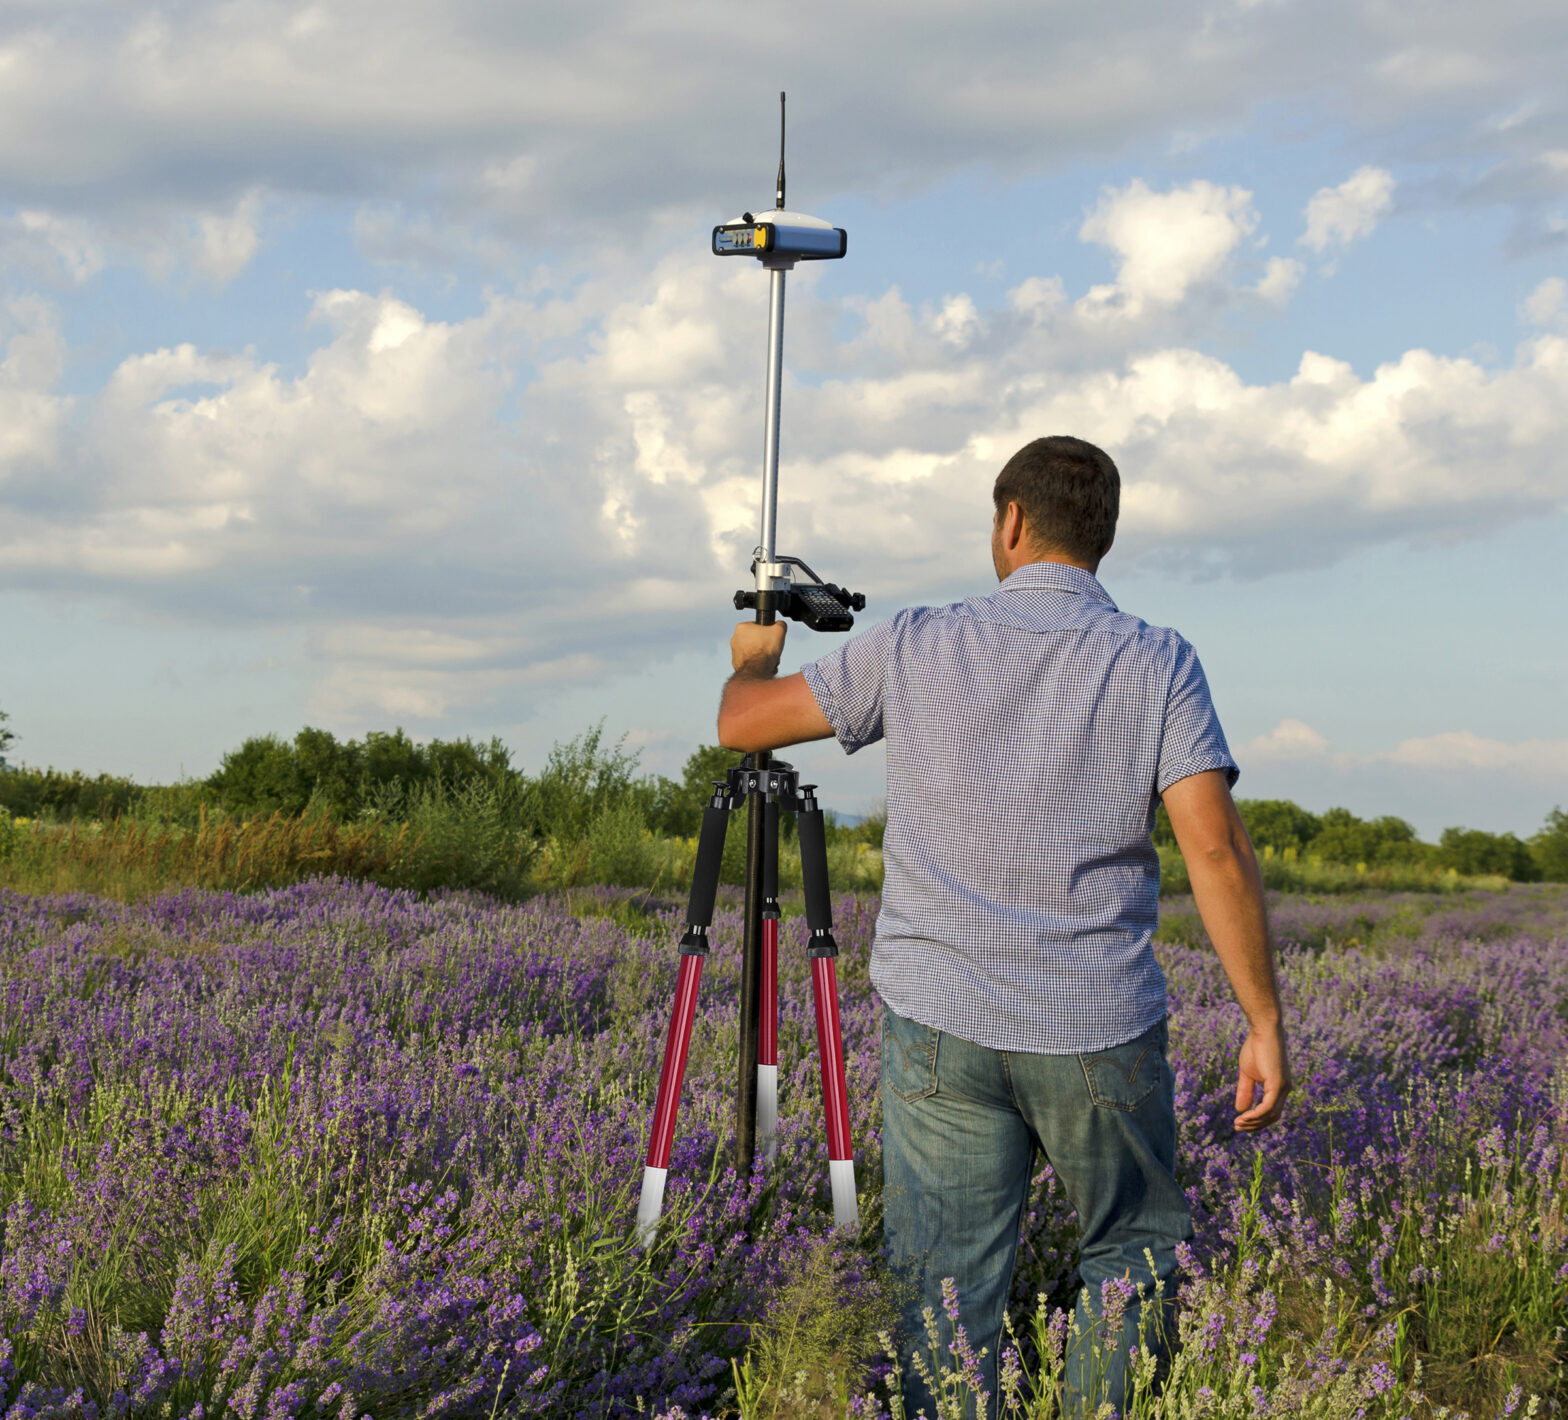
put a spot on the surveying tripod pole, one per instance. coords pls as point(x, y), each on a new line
point(766, 789)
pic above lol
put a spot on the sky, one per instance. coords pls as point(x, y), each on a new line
point(366, 365)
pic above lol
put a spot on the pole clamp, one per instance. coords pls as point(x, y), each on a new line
point(695, 942)
point(821, 944)
point(777, 784)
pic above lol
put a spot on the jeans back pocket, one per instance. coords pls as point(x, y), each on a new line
point(1124, 1076)
point(908, 1056)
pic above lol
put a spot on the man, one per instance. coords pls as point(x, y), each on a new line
point(1030, 736)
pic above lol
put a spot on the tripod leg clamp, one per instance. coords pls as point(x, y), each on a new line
point(822, 944)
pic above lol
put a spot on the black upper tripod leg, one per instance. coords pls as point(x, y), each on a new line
point(705, 875)
point(812, 829)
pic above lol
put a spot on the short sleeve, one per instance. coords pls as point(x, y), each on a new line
point(848, 685)
point(1192, 740)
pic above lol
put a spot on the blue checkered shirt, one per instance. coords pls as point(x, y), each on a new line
point(1029, 734)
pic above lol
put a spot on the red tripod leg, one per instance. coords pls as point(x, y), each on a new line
point(662, 1136)
point(694, 947)
point(824, 985)
point(835, 1093)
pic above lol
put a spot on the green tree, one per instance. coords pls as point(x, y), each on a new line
point(393, 760)
point(261, 777)
point(7, 737)
point(1550, 847)
point(677, 807)
point(459, 763)
point(1346, 838)
point(1473, 852)
point(331, 774)
point(1278, 824)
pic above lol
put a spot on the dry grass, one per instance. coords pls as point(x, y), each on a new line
point(126, 859)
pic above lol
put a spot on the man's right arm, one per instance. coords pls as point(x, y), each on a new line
point(1229, 894)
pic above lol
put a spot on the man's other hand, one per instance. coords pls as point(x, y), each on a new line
point(757, 648)
point(1264, 1062)
point(1229, 895)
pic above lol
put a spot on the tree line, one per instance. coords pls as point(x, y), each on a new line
point(1280, 827)
point(588, 779)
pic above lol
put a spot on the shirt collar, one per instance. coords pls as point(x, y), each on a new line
point(1056, 577)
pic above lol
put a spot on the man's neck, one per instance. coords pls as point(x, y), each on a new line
point(1058, 558)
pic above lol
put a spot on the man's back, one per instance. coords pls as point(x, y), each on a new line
point(1029, 734)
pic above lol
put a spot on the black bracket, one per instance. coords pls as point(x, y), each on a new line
point(823, 606)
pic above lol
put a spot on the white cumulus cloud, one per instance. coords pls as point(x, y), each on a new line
point(225, 242)
point(1165, 242)
point(1547, 304)
point(1338, 216)
point(32, 413)
point(1452, 752)
point(1280, 278)
point(1459, 750)
point(1289, 740)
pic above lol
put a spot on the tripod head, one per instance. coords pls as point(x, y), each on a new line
point(778, 240)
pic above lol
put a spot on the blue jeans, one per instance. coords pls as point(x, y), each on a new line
point(960, 1124)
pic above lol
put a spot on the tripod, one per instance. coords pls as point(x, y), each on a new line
point(785, 586)
point(772, 788)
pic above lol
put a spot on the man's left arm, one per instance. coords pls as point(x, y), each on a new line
point(759, 711)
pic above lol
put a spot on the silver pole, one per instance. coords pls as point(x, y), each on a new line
point(770, 446)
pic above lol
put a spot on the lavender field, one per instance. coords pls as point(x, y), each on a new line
point(335, 1150)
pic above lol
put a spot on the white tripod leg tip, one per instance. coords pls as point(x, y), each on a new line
point(841, 1178)
point(768, 1111)
point(650, 1206)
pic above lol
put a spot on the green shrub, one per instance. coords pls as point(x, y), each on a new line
point(621, 851)
point(53, 794)
point(267, 775)
point(582, 779)
point(470, 835)
point(1550, 847)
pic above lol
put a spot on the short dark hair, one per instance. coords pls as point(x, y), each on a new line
point(1070, 494)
